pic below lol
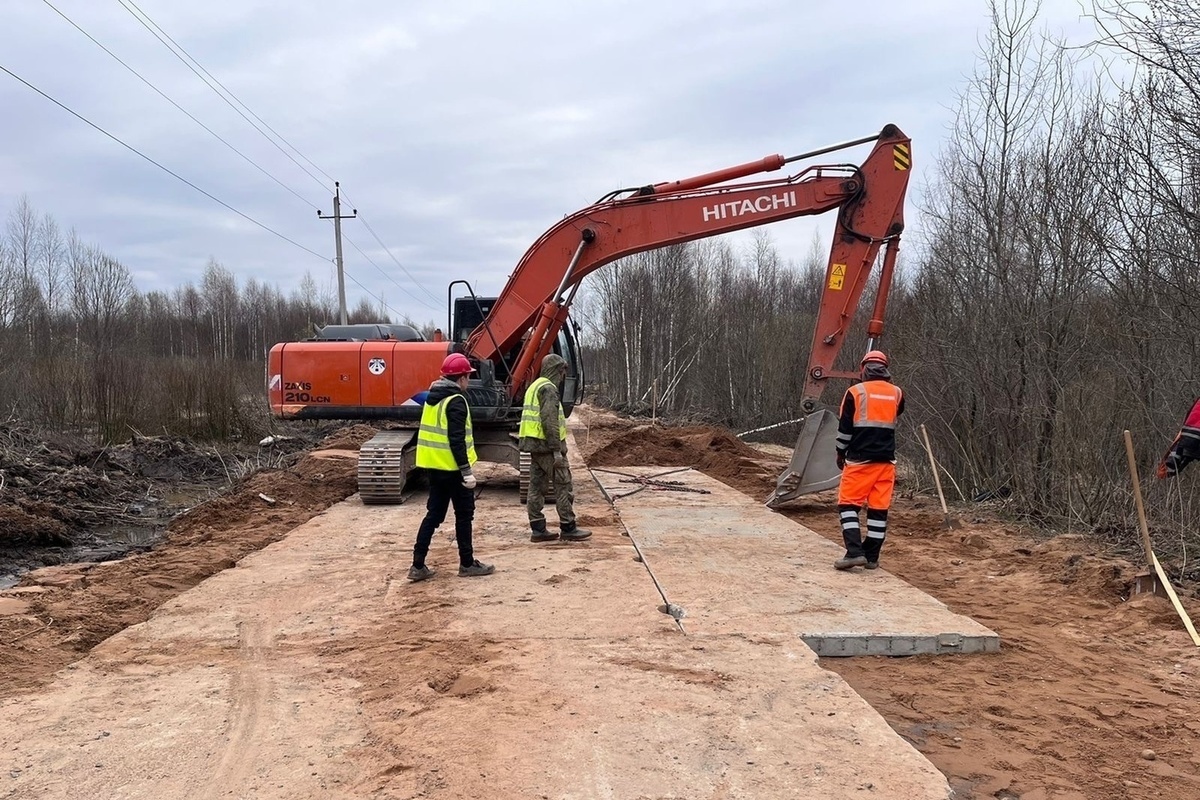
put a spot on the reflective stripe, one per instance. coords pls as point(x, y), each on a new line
point(531, 416)
point(433, 438)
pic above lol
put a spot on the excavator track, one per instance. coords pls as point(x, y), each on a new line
point(383, 464)
point(523, 466)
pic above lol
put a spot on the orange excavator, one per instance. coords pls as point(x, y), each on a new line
point(347, 375)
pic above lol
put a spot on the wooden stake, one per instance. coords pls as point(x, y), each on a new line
point(1183, 615)
point(1137, 500)
point(937, 481)
point(1152, 559)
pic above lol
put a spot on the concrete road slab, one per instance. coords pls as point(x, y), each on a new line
point(735, 566)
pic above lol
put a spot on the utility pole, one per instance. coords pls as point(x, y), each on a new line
point(337, 242)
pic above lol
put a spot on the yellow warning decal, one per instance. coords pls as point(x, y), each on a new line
point(837, 277)
point(900, 156)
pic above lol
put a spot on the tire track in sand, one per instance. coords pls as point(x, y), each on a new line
point(250, 689)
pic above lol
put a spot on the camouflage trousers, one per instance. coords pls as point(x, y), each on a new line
point(541, 469)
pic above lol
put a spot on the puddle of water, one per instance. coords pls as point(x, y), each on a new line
point(107, 543)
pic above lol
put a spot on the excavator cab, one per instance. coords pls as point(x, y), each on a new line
point(471, 311)
point(566, 345)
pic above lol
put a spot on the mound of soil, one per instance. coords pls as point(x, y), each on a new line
point(350, 437)
point(53, 487)
point(167, 458)
point(714, 451)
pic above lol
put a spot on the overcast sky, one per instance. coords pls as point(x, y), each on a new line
point(459, 129)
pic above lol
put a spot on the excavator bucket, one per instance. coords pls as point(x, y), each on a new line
point(813, 467)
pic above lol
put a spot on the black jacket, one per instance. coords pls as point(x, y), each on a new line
point(456, 419)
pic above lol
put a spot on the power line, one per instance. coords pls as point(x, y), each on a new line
point(382, 302)
point(394, 259)
point(231, 94)
point(383, 273)
point(167, 170)
point(418, 284)
point(184, 180)
point(164, 96)
point(147, 23)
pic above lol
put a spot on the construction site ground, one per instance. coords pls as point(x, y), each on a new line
point(205, 668)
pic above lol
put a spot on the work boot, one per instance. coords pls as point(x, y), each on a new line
point(849, 561)
point(872, 565)
point(420, 574)
point(574, 533)
point(476, 570)
point(540, 534)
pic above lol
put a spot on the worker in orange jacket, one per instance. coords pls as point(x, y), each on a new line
point(1185, 448)
point(866, 455)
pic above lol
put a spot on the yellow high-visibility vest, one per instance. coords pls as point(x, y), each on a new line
point(433, 438)
point(531, 416)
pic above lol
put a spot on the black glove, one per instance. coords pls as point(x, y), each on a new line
point(841, 460)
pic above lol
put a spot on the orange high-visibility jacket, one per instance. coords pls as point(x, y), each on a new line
point(867, 422)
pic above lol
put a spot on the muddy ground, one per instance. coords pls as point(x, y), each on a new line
point(1094, 695)
point(66, 500)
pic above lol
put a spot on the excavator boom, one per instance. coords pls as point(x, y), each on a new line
point(869, 198)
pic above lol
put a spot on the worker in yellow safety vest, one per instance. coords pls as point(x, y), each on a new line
point(446, 451)
point(543, 434)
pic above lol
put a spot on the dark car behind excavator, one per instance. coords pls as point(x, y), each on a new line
point(506, 337)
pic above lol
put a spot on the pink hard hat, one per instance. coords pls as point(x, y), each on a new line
point(456, 364)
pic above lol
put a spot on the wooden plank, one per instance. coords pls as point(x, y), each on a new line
point(1183, 615)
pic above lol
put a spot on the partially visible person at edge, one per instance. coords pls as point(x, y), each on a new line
point(543, 435)
point(446, 451)
point(1185, 448)
point(866, 455)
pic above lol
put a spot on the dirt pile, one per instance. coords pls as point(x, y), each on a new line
point(350, 437)
point(713, 451)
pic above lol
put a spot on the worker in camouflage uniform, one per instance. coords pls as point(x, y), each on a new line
point(543, 435)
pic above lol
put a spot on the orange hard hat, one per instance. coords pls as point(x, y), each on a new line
point(877, 356)
point(456, 364)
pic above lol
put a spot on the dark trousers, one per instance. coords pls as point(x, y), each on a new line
point(446, 488)
point(543, 468)
point(852, 535)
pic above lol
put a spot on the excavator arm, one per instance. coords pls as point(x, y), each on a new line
point(869, 199)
